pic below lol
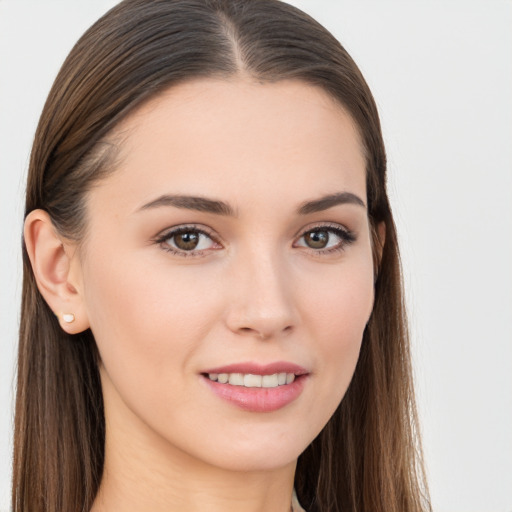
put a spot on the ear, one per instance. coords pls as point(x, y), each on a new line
point(57, 271)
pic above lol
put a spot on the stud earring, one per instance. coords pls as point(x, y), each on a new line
point(68, 317)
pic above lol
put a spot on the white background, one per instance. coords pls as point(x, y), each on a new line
point(441, 73)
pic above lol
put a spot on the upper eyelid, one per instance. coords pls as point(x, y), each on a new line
point(320, 225)
point(168, 232)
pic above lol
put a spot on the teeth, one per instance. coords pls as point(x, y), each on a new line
point(269, 381)
point(236, 379)
point(249, 380)
point(252, 381)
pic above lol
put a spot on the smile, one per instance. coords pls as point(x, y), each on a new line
point(257, 388)
point(250, 380)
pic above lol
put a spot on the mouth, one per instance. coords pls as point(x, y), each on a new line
point(257, 388)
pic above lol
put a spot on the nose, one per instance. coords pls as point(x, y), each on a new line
point(262, 298)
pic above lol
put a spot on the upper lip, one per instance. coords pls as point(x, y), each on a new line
point(260, 369)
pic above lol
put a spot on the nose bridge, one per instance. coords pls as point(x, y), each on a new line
point(262, 302)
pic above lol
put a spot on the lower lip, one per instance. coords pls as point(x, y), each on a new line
point(258, 399)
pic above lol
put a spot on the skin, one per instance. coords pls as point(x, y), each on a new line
point(257, 292)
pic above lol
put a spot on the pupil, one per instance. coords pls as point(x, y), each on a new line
point(187, 241)
point(317, 239)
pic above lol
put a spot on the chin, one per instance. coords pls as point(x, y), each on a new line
point(262, 461)
point(259, 454)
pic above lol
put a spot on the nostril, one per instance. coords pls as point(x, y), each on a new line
point(263, 334)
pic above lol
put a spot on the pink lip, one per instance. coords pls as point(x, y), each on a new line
point(260, 369)
point(259, 399)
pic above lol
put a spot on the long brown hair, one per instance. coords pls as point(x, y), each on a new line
point(368, 456)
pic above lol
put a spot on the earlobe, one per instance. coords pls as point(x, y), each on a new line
point(52, 259)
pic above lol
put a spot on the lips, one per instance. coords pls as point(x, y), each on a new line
point(257, 388)
point(260, 369)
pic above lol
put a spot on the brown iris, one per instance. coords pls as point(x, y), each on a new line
point(316, 239)
point(187, 241)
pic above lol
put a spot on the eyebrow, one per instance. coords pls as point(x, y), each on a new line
point(201, 204)
point(326, 202)
point(217, 207)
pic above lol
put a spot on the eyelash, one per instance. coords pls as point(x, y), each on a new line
point(346, 236)
point(162, 239)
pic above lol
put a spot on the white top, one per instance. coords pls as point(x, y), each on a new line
point(295, 503)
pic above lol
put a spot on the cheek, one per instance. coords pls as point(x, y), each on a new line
point(147, 323)
point(341, 300)
point(339, 312)
point(136, 295)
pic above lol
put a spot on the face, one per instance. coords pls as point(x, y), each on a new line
point(231, 243)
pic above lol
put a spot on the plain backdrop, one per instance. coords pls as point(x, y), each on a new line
point(441, 73)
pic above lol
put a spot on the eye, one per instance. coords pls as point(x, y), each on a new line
point(326, 238)
point(187, 241)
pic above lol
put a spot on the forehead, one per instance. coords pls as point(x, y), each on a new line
point(219, 137)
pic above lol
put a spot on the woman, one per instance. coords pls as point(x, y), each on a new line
point(212, 310)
